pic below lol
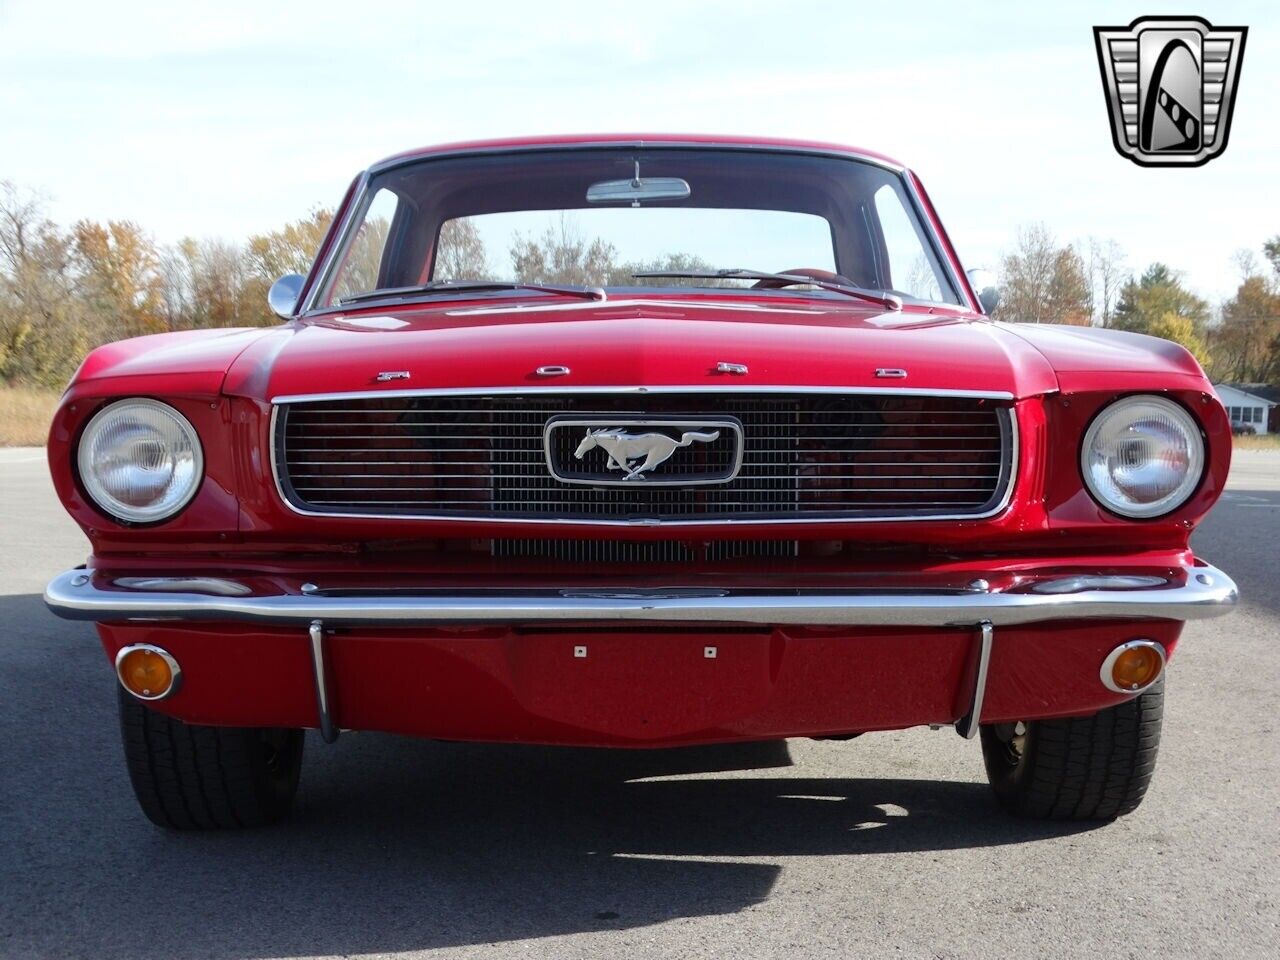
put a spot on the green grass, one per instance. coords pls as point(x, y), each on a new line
point(25, 414)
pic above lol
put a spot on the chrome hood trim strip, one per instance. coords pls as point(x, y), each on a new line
point(726, 389)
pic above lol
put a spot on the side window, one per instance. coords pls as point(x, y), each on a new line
point(910, 271)
point(359, 272)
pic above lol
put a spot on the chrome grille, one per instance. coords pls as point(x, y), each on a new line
point(806, 456)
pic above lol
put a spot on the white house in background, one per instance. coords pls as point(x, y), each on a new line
point(1244, 408)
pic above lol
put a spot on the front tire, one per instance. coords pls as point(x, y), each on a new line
point(189, 777)
point(1077, 768)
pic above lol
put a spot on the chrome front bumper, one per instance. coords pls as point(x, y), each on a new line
point(1191, 593)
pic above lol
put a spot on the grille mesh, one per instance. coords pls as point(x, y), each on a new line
point(806, 456)
point(644, 551)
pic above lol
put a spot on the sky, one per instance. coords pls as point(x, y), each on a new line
point(227, 118)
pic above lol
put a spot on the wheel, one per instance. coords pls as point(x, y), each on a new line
point(189, 777)
point(1076, 768)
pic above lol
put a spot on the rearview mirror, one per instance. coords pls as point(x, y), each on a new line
point(640, 188)
point(987, 288)
point(283, 295)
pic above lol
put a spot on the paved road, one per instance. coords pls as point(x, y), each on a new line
point(884, 846)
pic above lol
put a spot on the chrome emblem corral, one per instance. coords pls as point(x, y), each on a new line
point(623, 450)
point(1170, 84)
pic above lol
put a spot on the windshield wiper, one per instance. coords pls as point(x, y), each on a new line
point(446, 286)
point(883, 299)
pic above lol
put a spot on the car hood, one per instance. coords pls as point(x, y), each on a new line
point(198, 359)
point(638, 342)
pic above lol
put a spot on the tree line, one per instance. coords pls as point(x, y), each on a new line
point(1091, 284)
point(65, 290)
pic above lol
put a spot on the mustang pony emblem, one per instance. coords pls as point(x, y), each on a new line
point(653, 449)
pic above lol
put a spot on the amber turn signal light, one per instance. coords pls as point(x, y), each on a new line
point(147, 672)
point(1133, 666)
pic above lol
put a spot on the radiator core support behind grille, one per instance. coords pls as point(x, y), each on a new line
point(806, 456)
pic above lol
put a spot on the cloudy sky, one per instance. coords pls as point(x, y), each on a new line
point(219, 119)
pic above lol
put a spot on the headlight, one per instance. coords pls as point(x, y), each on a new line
point(1142, 456)
point(140, 460)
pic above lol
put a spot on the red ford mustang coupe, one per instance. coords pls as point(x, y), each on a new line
point(638, 442)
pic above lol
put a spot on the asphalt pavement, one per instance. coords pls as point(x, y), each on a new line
point(885, 846)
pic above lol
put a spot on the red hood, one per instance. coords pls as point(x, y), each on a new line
point(200, 358)
point(648, 341)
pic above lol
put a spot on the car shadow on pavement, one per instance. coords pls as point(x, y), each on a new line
point(398, 844)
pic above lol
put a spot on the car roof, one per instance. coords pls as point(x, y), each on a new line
point(635, 140)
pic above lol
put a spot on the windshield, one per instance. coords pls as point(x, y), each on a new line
point(596, 217)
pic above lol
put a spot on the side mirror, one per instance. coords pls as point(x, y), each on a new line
point(985, 286)
point(283, 295)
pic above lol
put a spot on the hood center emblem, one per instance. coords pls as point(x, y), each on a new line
point(650, 449)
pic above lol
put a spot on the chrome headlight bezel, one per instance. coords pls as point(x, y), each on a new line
point(1197, 459)
point(174, 500)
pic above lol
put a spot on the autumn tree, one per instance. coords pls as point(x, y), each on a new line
point(1042, 281)
point(218, 294)
point(42, 335)
point(563, 255)
point(460, 252)
point(1107, 273)
point(291, 249)
point(118, 278)
point(1157, 292)
point(269, 256)
point(1246, 344)
point(1181, 330)
point(63, 292)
